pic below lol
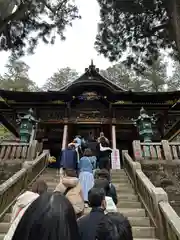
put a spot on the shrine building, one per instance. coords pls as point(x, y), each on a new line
point(93, 104)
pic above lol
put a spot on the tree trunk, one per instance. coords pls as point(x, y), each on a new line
point(173, 8)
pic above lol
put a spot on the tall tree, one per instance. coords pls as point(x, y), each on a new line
point(156, 76)
point(59, 79)
point(173, 81)
point(124, 77)
point(33, 20)
point(142, 28)
point(16, 78)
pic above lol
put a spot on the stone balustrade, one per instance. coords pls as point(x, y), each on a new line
point(18, 150)
point(163, 150)
point(155, 201)
point(11, 188)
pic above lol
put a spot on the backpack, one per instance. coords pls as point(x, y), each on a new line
point(74, 196)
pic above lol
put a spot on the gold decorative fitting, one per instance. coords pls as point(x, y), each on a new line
point(170, 102)
point(58, 102)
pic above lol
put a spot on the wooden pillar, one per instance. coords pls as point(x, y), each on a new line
point(114, 136)
point(65, 135)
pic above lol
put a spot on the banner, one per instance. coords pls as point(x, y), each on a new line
point(115, 159)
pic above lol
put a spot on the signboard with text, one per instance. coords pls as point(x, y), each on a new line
point(115, 159)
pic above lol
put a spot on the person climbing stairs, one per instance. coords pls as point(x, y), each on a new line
point(50, 177)
point(128, 204)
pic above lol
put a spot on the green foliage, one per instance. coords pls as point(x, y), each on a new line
point(139, 28)
point(156, 76)
point(124, 77)
point(33, 20)
point(61, 78)
point(16, 78)
point(154, 79)
point(174, 81)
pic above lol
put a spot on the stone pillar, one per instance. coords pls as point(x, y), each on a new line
point(137, 150)
point(65, 132)
point(166, 150)
point(113, 137)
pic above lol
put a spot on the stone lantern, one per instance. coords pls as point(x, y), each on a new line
point(27, 123)
point(144, 125)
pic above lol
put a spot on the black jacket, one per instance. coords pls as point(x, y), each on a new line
point(112, 193)
point(96, 225)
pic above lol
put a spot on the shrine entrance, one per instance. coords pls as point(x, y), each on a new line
point(85, 130)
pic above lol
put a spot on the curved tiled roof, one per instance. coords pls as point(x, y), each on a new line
point(92, 76)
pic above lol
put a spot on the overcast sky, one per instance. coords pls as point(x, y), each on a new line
point(76, 52)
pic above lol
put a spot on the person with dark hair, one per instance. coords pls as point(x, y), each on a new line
point(69, 186)
point(104, 174)
point(96, 225)
point(104, 154)
point(49, 217)
point(102, 136)
point(22, 203)
point(39, 187)
point(86, 166)
point(104, 184)
point(123, 226)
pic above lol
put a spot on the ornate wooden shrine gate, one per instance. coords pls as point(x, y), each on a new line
point(90, 103)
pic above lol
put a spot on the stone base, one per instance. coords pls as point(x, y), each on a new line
point(165, 174)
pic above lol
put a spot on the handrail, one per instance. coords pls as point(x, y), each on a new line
point(155, 201)
point(171, 220)
point(11, 188)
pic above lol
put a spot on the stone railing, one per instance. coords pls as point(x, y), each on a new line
point(11, 188)
point(155, 201)
point(163, 150)
point(18, 150)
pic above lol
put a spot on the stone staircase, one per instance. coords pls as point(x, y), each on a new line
point(128, 204)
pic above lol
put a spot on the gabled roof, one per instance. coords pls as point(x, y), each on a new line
point(92, 77)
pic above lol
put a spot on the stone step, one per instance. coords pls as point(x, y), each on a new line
point(50, 178)
point(129, 204)
point(127, 196)
point(118, 174)
point(125, 190)
point(4, 226)
point(132, 212)
point(123, 184)
point(139, 221)
point(143, 232)
point(2, 236)
point(127, 212)
point(123, 180)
